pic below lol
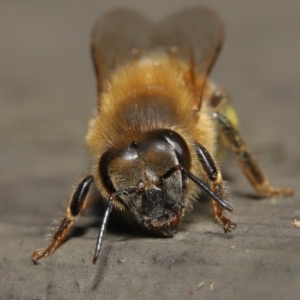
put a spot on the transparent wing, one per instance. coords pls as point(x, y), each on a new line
point(115, 39)
point(194, 36)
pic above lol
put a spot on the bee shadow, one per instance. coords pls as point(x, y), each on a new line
point(249, 196)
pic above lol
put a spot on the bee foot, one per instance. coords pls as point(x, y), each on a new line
point(38, 254)
point(228, 226)
point(274, 192)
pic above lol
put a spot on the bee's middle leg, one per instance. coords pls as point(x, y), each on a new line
point(216, 184)
point(247, 162)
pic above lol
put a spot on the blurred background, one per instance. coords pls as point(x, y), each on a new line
point(48, 94)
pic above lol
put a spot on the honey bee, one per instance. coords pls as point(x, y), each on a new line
point(159, 126)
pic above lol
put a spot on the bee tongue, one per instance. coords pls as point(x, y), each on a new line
point(169, 226)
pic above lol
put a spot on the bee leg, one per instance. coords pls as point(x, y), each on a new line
point(247, 162)
point(76, 206)
point(217, 186)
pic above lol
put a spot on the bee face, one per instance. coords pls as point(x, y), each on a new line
point(158, 202)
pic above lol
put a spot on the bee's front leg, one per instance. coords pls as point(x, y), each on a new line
point(214, 178)
point(76, 206)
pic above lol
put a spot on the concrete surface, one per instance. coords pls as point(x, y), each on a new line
point(47, 95)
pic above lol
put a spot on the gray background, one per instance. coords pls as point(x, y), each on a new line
point(47, 95)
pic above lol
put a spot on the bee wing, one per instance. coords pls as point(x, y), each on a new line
point(194, 35)
point(115, 39)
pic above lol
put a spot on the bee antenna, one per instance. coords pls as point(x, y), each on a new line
point(105, 219)
point(200, 183)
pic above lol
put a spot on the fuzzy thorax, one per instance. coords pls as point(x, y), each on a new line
point(147, 96)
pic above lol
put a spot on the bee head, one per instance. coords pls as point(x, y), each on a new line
point(158, 200)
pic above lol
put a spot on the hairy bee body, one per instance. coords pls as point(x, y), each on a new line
point(146, 96)
point(159, 124)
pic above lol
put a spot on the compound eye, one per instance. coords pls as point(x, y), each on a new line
point(179, 146)
point(157, 180)
point(104, 162)
point(140, 188)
